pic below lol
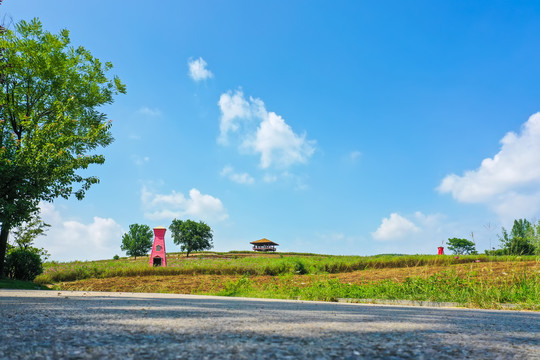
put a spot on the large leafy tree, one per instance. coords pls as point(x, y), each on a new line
point(50, 126)
point(191, 235)
point(461, 246)
point(138, 241)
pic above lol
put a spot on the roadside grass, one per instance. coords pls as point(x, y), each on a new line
point(21, 285)
point(521, 290)
point(235, 263)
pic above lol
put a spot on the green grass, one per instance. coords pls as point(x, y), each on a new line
point(521, 290)
point(236, 265)
point(22, 285)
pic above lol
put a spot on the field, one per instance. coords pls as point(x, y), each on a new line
point(472, 281)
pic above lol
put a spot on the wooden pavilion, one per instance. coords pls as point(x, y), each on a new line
point(264, 245)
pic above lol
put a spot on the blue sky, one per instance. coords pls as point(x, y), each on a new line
point(337, 127)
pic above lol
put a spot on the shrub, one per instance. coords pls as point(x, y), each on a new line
point(495, 252)
point(22, 264)
point(116, 257)
point(299, 267)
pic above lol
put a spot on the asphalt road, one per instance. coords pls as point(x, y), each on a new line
point(79, 325)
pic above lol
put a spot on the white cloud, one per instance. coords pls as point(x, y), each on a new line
point(155, 112)
point(273, 139)
point(234, 109)
point(509, 183)
point(176, 205)
point(69, 240)
point(139, 161)
point(513, 205)
point(240, 178)
point(198, 70)
point(395, 227)
point(417, 233)
point(278, 144)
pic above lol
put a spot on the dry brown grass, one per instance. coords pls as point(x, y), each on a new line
point(485, 270)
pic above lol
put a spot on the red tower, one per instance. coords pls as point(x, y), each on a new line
point(157, 256)
point(441, 250)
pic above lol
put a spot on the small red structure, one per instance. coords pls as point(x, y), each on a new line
point(264, 245)
point(441, 250)
point(157, 256)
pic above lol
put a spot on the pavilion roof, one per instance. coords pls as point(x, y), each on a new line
point(263, 242)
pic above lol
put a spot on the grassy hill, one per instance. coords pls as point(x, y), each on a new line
point(474, 281)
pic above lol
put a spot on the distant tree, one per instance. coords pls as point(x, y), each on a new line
point(461, 246)
point(193, 236)
point(536, 238)
point(25, 234)
point(520, 240)
point(138, 241)
point(522, 228)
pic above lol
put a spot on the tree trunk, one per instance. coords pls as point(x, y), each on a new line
point(4, 233)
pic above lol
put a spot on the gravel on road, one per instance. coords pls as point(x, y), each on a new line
point(91, 325)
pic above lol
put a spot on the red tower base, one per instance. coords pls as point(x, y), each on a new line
point(157, 256)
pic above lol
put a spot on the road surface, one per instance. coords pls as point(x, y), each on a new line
point(90, 325)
